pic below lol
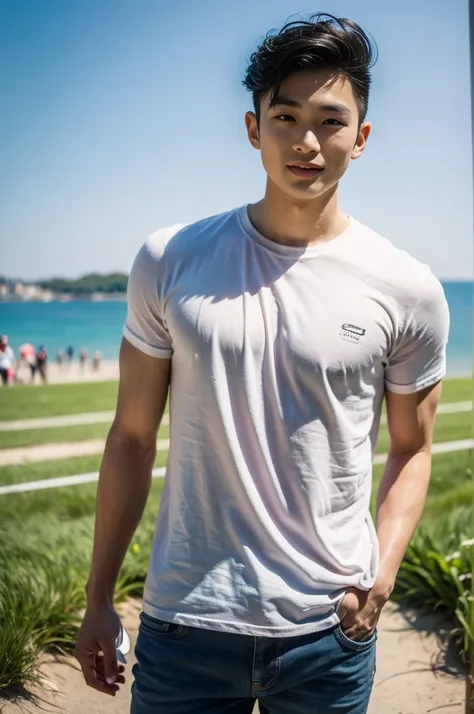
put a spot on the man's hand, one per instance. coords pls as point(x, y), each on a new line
point(95, 650)
point(359, 613)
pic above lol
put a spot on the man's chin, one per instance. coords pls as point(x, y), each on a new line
point(307, 192)
point(299, 190)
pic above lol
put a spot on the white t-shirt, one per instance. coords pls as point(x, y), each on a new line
point(280, 357)
point(7, 358)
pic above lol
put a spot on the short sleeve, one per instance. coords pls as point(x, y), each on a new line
point(418, 358)
point(145, 326)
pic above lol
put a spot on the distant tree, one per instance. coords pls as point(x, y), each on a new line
point(88, 284)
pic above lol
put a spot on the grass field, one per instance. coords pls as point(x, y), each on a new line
point(23, 402)
point(449, 484)
point(52, 401)
point(46, 535)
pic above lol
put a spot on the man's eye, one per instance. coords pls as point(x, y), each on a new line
point(284, 117)
point(333, 122)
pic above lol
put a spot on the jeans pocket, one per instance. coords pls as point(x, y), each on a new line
point(160, 628)
point(354, 645)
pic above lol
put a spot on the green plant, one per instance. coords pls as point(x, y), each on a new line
point(436, 573)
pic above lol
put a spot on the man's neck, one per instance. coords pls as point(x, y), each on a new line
point(286, 221)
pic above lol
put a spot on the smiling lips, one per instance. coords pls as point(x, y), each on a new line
point(305, 169)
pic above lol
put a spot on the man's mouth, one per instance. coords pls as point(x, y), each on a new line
point(305, 170)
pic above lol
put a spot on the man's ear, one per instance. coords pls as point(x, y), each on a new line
point(363, 135)
point(252, 129)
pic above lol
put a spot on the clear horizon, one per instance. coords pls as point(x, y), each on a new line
point(122, 119)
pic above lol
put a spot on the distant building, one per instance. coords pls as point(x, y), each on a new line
point(26, 293)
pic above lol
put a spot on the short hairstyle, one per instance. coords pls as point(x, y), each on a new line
point(322, 42)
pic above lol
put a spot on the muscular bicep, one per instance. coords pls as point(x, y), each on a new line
point(411, 419)
point(143, 390)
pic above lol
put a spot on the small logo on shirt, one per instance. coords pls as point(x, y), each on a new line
point(351, 333)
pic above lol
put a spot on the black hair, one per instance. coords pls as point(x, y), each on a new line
point(322, 42)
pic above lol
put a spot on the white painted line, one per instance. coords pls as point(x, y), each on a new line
point(442, 448)
point(61, 482)
point(49, 422)
point(455, 407)
point(67, 420)
point(448, 408)
point(445, 447)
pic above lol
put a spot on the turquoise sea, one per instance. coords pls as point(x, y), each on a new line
point(98, 326)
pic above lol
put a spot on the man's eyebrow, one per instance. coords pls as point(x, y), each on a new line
point(337, 109)
point(280, 101)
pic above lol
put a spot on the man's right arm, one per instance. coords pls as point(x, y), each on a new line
point(124, 485)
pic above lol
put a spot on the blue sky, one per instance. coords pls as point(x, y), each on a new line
point(119, 118)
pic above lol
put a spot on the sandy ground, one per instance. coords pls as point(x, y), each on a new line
point(109, 370)
point(59, 450)
point(416, 673)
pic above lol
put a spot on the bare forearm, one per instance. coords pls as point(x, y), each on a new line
point(400, 501)
point(124, 485)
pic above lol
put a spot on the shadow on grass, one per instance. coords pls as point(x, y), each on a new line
point(21, 700)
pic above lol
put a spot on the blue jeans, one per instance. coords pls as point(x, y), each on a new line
point(185, 670)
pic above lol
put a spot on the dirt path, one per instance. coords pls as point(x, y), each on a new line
point(59, 450)
point(68, 450)
point(105, 417)
point(412, 676)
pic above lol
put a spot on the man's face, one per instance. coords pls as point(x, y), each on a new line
point(314, 119)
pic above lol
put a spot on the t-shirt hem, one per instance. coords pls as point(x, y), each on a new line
point(418, 385)
point(240, 628)
point(160, 352)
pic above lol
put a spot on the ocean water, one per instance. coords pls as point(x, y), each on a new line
point(98, 326)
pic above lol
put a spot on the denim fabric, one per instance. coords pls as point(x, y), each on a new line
point(186, 670)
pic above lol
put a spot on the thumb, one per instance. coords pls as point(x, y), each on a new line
point(110, 661)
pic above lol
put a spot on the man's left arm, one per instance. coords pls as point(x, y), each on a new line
point(402, 492)
point(415, 367)
point(400, 501)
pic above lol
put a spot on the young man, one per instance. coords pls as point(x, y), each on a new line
point(7, 360)
point(280, 326)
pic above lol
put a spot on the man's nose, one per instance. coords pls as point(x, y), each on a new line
point(308, 142)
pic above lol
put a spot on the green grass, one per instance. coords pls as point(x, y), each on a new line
point(457, 390)
point(65, 502)
point(451, 485)
point(60, 434)
point(25, 402)
point(46, 541)
point(448, 427)
point(46, 535)
point(42, 589)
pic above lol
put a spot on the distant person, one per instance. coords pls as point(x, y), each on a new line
point(60, 359)
point(70, 353)
point(96, 361)
point(7, 361)
point(41, 363)
point(82, 357)
point(28, 359)
point(279, 329)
